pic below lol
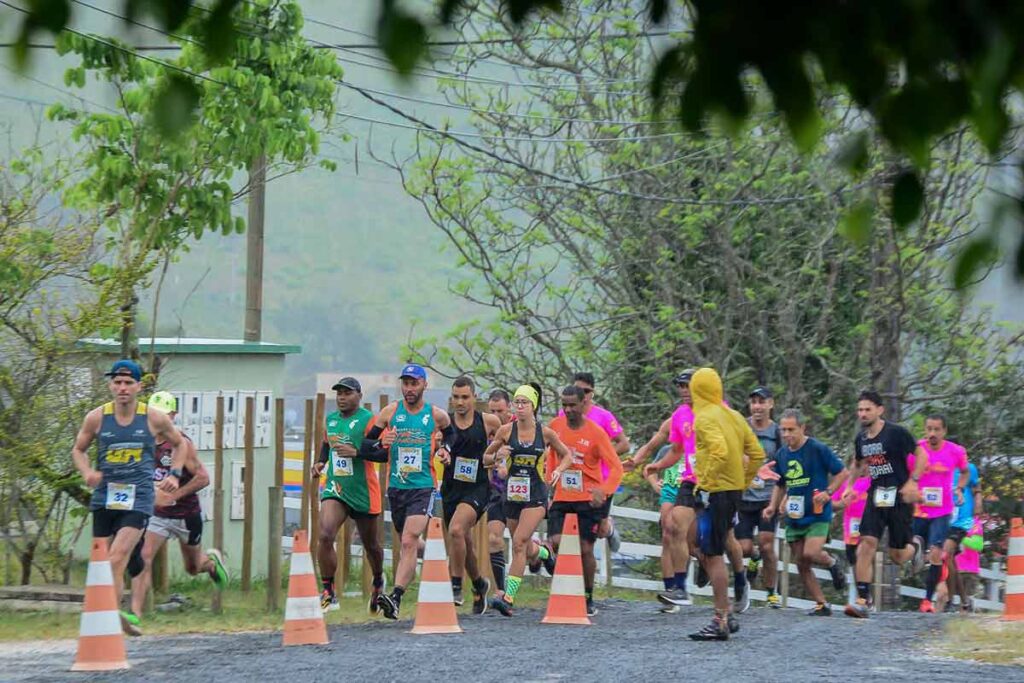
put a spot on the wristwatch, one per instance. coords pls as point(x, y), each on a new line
point(174, 472)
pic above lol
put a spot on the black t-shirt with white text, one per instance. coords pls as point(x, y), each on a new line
point(886, 454)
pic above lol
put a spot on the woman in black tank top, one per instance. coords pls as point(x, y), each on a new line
point(518, 450)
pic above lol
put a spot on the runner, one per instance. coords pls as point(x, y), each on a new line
point(937, 500)
point(404, 433)
point(968, 566)
point(499, 404)
point(851, 498)
point(176, 515)
point(518, 449)
point(351, 490)
point(465, 489)
point(756, 498)
point(802, 468)
point(963, 523)
point(610, 424)
point(126, 433)
point(881, 450)
point(582, 488)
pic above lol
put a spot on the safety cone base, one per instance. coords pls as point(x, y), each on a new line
point(101, 644)
point(567, 604)
point(303, 617)
point(435, 603)
point(1013, 605)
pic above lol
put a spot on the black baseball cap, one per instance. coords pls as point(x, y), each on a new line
point(683, 377)
point(348, 383)
point(125, 367)
point(762, 391)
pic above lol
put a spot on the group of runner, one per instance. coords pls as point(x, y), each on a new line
point(724, 482)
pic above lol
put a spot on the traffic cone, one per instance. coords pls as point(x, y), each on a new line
point(1013, 609)
point(100, 640)
point(435, 606)
point(303, 617)
point(567, 603)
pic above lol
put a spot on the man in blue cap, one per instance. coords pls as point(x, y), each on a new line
point(404, 433)
point(126, 432)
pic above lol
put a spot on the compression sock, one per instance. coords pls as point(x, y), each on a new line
point(329, 585)
point(934, 574)
point(681, 580)
point(397, 594)
point(863, 590)
point(739, 580)
point(669, 581)
point(512, 585)
point(457, 583)
point(498, 568)
point(378, 580)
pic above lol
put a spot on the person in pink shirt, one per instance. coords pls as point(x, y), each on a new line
point(968, 563)
point(851, 498)
point(936, 497)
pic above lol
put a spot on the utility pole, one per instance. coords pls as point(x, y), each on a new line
point(254, 249)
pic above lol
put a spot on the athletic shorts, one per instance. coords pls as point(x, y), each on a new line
point(188, 530)
point(957, 535)
point(108, 522)
point(350, 511)
point(715, 520)
point(898, 519)
point(750, 518)
point(512, 510)
point(589, 518)
point(934, 531)
point(685, 496)
point(494, 510)
point(668, 494)
point(476, 497)
point(812, 530)
point(407, 503)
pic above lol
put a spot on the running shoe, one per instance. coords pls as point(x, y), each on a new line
point(480, 593)
point(591, 608)
point(838, 576)
point(614, 540)
point(375, 593)
point(669, 609)
point(131, 624)
point(702, 578)
point(535, 566)
point(733, 623)
point(457, 596)
point(742, 602)
point(917, 563)
point(329, 601)
point(857, 610)
point(388, 605)
point(820, 610)
point(926, 607)
point(676, 596)
point(549, 563)
point(753, 566)
point(503, 606)
point(716, 630)
point(220, 570)
point(774, 601)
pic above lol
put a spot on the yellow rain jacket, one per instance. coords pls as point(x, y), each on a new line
point(728, 453)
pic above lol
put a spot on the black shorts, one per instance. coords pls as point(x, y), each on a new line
point(750, 518)
point(495, 512)
point(685, 496)
point(351, 512)
point(512, 510)
point(407, 503)
point(108, 522)
point(957, 535)
point(477, 497)
point(898, 519)
point(716, 520)
point(589, 518)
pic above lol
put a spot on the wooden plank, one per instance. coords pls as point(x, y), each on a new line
point(275, 527)
point(216, 605)
point(307, 462)
point(250, 465)
point(314, 490)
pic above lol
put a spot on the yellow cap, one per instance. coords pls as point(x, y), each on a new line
point(528, 392)
point(163, 401)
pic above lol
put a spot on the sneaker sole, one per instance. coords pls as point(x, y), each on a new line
point(669, 601)
point(851, 612)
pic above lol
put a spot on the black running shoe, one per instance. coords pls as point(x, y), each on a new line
point(549, 563)
point(716, 630)
point(480, 593)
point(591, 609)
point(503, 606)
point(838, 576)
point(675, 596)
point(457, 596)
point(702, 576)
point(388, 605)
point(733, 623)
point(820, 611)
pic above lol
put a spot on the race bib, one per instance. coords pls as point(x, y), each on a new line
point(885, 497)
point(854, 527)
point(932, 496)
point(572, 480)
point(795, 507)
point(410, 460)
point(120, 496)
point(758, 483)
point(465, 469)
point(518, 490)
point(342, 466)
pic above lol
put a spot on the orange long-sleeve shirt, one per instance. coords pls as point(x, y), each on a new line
point(590, 447)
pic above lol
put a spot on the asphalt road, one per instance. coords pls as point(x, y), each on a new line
point(628, 641)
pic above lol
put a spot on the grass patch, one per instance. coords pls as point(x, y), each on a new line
point(984, 639)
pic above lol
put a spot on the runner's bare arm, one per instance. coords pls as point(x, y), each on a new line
point(80, 451)
point(962, 482)
point(670, 459)
point(653, 444)
point(200, 477)
point(837, 483)
point(621, 443)
point(377, 443)
point(753, 451)
point(494, 448)
point(909, 491)
point(447, 430)
point(563, 452)
point(491, 425)
point(611, 458)
point(773, 505)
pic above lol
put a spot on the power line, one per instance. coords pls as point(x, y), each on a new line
point(60, 90)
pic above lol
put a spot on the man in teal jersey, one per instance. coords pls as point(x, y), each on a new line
point(352, 490)
point(405, 433)
point(126, 433)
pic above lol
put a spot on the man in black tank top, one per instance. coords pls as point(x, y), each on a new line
point(465, 489)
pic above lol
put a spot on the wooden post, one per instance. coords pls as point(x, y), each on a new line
point(307, 462)
point(314, 490)
point(879, 564)
point(250, 428)
point(784, 575)
point(254, 248)
point(275, 516)
point(279, 442)
point(216, 605)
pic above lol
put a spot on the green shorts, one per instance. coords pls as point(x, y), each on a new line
point(668, 494)
point(813, 530)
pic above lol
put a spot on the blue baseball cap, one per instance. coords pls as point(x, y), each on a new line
point(126, 367)
point(414, 371)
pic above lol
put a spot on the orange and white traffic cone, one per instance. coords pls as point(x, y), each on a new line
point(100, 640)
point(567, 603)
point(435, 606)
point(1013, 609)
point(303, 617)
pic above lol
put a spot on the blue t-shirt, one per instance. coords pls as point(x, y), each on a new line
point(964, 518)
point(802, 471)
